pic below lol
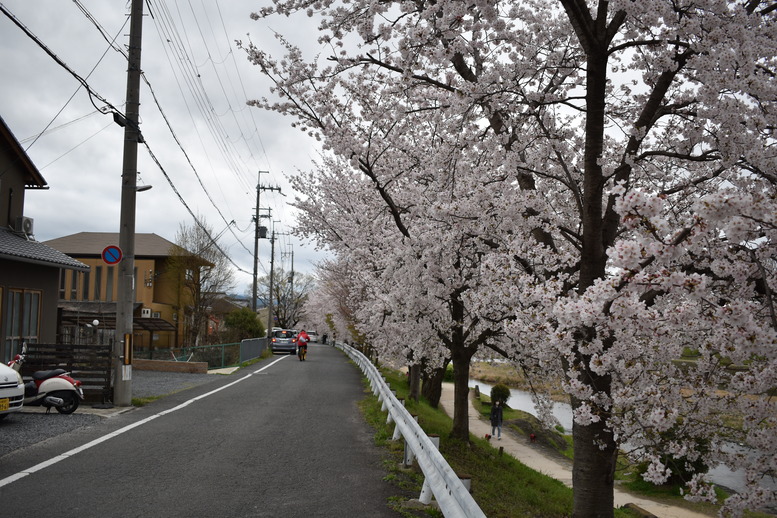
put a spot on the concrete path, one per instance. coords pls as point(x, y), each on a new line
point(535, 459)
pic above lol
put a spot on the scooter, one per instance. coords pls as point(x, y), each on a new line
point(54, 388)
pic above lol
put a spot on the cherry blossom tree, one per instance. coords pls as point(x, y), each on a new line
point(614, 208)
point(404, 228)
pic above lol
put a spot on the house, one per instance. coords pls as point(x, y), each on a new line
point(29, 270)
point(162, 294)
point(218, 311)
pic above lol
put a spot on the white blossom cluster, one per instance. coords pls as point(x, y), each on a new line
point(586, 189)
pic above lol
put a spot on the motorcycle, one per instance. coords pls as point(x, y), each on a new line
point(52, 388)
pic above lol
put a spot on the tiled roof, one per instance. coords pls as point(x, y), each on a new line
point(93, 243)
point(16, 247)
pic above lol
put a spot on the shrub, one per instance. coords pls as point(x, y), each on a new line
point(500, 392)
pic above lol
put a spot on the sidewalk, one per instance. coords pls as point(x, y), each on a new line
point(177, 381)
point(536, 460)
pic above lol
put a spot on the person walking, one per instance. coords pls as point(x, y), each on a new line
point(496, 419)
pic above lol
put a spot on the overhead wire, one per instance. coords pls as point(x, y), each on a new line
point(110, 108)
point(93, 94)
point(102, 31)
point(186, 205)
point(57, 128)
point(110, 45)
point(170, 34)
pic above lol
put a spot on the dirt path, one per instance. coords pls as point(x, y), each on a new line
point(535, 459)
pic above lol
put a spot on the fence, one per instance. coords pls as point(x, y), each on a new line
point(90, 364)
point(216, 356)
point(440, 480)
point(252, 348)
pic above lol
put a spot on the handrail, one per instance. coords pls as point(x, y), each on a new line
point(453, 497)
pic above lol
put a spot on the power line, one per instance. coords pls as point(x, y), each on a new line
point(93, 94)
point(112, 44)
point(90, 91)
point(196, 220)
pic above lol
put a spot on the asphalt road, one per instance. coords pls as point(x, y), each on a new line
point(282, 438)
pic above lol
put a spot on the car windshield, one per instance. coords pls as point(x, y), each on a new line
point(285, 333)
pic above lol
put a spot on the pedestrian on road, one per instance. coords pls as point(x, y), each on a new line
point(496, 419)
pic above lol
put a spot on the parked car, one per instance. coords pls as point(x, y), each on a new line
point(11, 391)
point(284, 341)
point(313, 336)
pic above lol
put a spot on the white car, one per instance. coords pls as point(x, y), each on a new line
point(313, 336)
point(11, 391)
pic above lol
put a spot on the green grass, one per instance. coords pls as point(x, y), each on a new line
point(502, 486)
point(143, 401)
point(265, 354)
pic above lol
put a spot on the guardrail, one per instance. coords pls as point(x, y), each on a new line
point(440, 480)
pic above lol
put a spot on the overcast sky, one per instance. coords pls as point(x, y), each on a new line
point(201, 81)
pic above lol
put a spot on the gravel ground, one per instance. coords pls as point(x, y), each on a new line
point(27, 428)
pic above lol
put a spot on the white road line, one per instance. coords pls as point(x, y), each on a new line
point(74, 451)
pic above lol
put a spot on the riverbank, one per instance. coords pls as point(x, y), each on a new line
point(535, 458)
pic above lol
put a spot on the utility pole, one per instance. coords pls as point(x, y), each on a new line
point(122, 345)
point(291, 279)
point(258, 234)
point(292, 303)
point(272, 268)
point(256, 237)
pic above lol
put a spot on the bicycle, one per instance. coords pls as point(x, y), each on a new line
point(302, 352)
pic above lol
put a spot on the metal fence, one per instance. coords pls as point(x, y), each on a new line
point(216, 356)
point(440, 480)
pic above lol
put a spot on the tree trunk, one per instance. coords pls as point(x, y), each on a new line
point(594, 470)
point(431, 388)
point(594, 445)
point(415, 382)
point(461, 361)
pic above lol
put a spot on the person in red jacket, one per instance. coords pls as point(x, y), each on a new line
point(302, 345)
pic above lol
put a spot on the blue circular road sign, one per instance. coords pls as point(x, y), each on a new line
point(112, 254)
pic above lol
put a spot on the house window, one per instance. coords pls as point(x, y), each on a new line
point(62, 275)
point(85, 286)
point(73, 285)
point(98, 278)
point(22, 315)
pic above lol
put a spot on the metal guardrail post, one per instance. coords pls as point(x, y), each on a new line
point(426, 490)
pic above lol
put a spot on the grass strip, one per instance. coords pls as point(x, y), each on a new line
point(501, 485)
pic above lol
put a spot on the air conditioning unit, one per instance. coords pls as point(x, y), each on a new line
point(24, 225)
point(145, 313)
